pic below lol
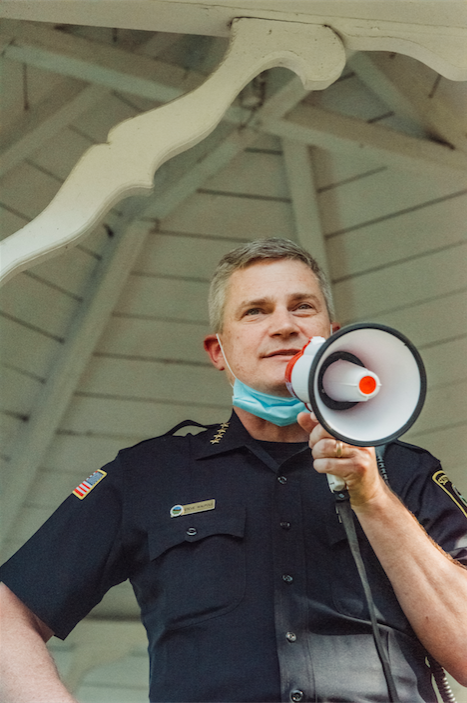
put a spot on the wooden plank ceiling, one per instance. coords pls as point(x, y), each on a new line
point(102, 346)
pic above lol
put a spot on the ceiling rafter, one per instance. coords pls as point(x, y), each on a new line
point(102, 64)
point(123, 70)
point(342, 134)
point(60, 107)
point(286, 95)
point(102, 293)
point(88, 60)
point(410, 89)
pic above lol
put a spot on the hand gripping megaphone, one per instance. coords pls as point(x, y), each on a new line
point(366, 383)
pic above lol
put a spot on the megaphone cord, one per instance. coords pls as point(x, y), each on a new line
point(345, 513)
point(439, 676)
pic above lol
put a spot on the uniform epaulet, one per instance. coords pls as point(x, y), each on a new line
point(186, 423)
point(421, 450)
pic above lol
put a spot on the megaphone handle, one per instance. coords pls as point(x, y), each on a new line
point(336, 484)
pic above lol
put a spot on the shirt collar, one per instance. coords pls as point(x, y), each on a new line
point(230, 436)
point(223, 438)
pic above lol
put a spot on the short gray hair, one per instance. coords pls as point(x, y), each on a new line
point(244, 256)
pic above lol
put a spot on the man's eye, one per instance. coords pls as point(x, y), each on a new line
point(253, 311)
point(305, 306)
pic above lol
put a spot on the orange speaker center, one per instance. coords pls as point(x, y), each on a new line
point(367, 385)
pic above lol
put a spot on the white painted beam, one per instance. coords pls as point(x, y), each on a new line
point(213, 17)
point(94, 62)
point(343, 134)
point(434, 34)
point(410, 89)
point(282, 100)
point(60, 107)
point(285, 97)
point(126, 164)
point(121, 70)
point(367, 70)
point(40, 123)
point(304, 201)
point(38, 432)
point(211, 164)
point(159, 43)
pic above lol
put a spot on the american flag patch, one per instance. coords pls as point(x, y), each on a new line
point(83, 489)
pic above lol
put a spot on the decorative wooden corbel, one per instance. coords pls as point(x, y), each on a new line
point(126, 164)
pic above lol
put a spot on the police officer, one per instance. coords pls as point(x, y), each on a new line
point(246, 584)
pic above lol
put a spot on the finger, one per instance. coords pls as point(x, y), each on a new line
point(307, 421)
point(330, 448)
point(318, 433)
point(328, 465)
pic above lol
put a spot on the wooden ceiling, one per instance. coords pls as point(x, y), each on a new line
point(102, 346)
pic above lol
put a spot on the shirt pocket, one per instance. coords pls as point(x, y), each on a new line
point(198, 564)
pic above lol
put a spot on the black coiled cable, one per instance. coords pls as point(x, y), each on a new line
point(442, 683)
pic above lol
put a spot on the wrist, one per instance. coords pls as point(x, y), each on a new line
point(373, 500)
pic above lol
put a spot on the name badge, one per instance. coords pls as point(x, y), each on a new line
point(191, 508)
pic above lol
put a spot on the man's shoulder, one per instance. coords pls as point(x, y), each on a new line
point(177, 439)
point(412, 451)
point(407, 461)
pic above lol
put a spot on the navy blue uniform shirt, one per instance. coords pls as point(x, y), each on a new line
point(247, 587)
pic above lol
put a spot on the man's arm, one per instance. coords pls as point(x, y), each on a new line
point(27, 671)
point(431, 588)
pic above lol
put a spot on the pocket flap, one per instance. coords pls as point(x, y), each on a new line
point(193, 528)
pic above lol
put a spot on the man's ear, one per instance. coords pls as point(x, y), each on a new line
point(213, 348)
point(335, 326)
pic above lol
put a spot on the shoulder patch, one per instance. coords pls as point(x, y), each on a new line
point(86, 486)
point(440, 478)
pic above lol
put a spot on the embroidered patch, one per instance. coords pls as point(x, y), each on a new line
point(84, 488)
point(443, 482)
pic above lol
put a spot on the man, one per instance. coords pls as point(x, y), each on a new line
point(230, 538)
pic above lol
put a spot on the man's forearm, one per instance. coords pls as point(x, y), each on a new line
point(27, 671)
point(430, 587)
point(28, 674)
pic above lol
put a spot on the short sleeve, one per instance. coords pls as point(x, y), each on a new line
point(68, 565)
point(430, 495)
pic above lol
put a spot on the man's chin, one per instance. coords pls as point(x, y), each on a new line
point(279, 390)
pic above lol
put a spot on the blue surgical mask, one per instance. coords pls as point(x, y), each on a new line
point(279, 411)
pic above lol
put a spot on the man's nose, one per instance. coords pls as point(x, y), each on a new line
point(283, 323)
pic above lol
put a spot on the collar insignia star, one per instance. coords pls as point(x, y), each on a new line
point(220, 433)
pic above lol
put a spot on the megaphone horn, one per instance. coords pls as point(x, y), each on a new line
point(366, 383)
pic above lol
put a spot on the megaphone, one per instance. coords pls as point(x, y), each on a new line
point(366, 383)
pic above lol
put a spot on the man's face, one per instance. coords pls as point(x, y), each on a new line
point(272, 309)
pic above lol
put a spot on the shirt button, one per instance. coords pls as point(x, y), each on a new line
point(296, 696)
point(287, 578)
point(291, 637)
point(192, 531)
point(282, 479)
point(285, 525)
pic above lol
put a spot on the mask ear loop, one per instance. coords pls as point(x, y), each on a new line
point(226, 360)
